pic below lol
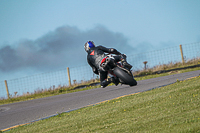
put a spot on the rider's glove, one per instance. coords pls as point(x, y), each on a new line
point(123, 55)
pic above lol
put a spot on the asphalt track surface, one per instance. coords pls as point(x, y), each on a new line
point(33, 110)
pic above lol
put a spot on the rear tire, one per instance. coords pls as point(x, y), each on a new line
point(128, 79)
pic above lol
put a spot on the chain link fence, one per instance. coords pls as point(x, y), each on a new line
point(56, 79)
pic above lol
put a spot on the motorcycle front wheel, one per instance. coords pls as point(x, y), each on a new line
point(125, 77)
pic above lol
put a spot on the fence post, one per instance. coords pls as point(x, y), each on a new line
point(182, 54)
point(6, 84)
point(145, 65)
point(68, 76)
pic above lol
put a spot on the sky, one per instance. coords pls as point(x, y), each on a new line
point(47, 35)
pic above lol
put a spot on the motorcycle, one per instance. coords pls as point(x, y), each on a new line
point(116, 69)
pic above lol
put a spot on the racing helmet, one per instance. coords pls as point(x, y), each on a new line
point(88, 45)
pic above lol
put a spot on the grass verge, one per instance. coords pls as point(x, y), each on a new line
point(173, 108)
point(166, 74)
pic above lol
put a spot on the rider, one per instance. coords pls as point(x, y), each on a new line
point(94, 57)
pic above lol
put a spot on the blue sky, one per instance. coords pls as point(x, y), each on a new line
point(35, 33)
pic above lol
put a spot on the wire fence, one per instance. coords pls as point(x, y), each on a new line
point(165, 56)
point(2, 89)
point(191, 51)
point(56, 79)
point(81, 74)
point(154, 58)
point(36, 83)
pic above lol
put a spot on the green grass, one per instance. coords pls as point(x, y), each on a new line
point(173, 108)
point(166, 74)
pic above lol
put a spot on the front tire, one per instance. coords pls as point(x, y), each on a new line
point(128, 79)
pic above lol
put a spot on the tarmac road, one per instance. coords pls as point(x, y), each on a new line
point(28, 111)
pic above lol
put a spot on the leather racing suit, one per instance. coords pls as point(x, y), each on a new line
point(94, 57)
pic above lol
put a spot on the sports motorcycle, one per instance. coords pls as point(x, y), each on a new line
point(116, 69)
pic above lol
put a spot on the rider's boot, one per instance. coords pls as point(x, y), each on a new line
point(125, 63)
point(106, 82)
